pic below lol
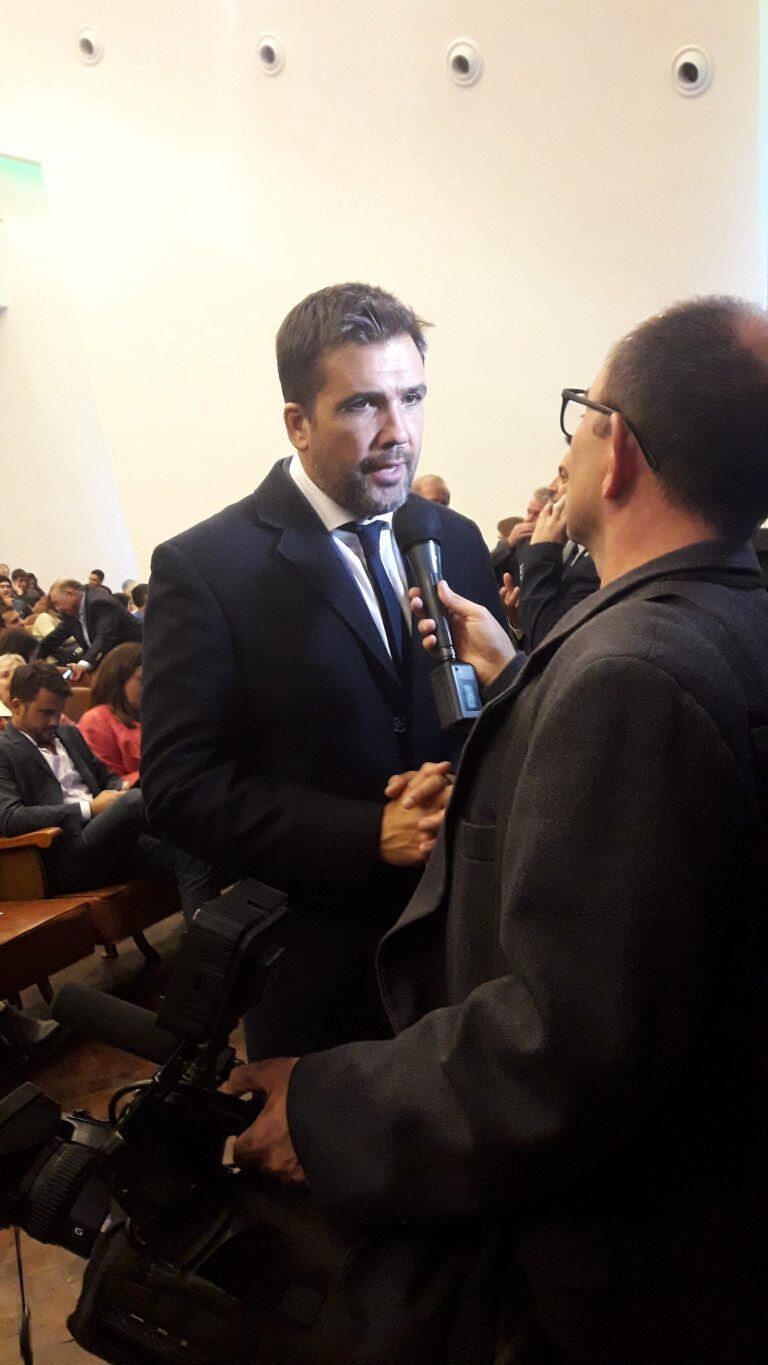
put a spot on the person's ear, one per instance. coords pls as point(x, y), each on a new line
point(621, 468)
point(297, 425)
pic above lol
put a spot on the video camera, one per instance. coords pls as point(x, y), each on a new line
point(186, 1263)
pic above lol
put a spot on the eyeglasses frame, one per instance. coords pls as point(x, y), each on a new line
point(580, 396)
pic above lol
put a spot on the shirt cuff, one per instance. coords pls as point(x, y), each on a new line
point(86, 667)
point(85, 810)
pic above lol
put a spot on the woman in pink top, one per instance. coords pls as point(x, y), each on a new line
point(112, 727)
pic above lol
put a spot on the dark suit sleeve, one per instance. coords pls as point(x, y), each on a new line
point(57, 638)
point(16, 818)
point(547, 591)
point(199, 793)
point(613, 878)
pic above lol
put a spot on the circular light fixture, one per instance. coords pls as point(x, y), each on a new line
point(90, 46)
point(271, 54)
point(464, 61)
point(692, 71)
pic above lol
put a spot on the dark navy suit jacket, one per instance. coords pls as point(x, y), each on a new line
point(272, 716)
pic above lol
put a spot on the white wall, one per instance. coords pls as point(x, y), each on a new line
point(533, 217)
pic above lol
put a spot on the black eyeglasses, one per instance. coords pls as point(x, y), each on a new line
point(568, 419)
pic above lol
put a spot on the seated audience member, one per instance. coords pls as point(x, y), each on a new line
point(123, 599)
point(95, 620)
point(9, 616)
point(8, 665)
point(505, 557)
point(6, 591)
point(19, 587)
point(111, 725)
point(106, 835)
point(433, 488)
point(34, 592)
point(96, 579)
point(139, 600)
point(5, 572)
point(17, 640)
point(555, 574)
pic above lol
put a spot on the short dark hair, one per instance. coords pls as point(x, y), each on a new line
point(694, 381)
point(98, 573)
point(113, 673)
point(18, 573)
point(30, 679)
point(337, 316)
point(17, 640)
point(139, 595)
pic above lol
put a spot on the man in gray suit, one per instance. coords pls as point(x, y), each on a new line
point(577, 988)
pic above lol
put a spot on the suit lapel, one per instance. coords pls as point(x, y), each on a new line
point(29, 753)
point(310, 550)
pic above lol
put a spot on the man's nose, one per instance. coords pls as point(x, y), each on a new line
point(393, 431)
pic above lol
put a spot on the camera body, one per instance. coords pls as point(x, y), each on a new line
point(146, 1188)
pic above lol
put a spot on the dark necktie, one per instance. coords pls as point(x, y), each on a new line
point(369, 534)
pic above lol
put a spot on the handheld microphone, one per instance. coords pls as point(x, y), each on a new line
point(417, 528)
point(114, 1021)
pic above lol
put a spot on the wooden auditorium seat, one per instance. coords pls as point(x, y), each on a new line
point(77, 703)
point(41, 934)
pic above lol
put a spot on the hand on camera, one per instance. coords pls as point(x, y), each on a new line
point(266, 1145)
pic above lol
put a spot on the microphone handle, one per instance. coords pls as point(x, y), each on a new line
point(427, 568)
point(114, 1021)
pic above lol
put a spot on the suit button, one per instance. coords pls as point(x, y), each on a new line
point(399, 725)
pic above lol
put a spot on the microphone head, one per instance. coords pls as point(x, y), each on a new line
point(417, 521)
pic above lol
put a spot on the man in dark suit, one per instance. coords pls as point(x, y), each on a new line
point(49, 776)
point(505, 555)
point(578, 985)
point(94, 619)
point(553, 575)
point(282, 687)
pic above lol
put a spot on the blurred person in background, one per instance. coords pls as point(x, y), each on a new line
point(8, 664)
point(111, 726)
point(433, 488)
point(138, 603)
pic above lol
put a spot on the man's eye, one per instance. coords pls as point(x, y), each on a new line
point(358, 405)
point(411, 399)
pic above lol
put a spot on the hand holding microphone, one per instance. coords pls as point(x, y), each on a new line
point(478, 638)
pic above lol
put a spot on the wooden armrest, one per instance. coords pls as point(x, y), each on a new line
point(37, 838)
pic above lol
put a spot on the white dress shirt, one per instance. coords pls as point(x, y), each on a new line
point(75, 791)
point(333, 518)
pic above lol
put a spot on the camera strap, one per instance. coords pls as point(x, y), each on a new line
point(25, 1318)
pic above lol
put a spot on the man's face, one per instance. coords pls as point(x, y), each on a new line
point(94, 581)
point(9, 617)
point(583, 468)
point(20, 584)
point(532, 510)
point(361, 442)
point(38, 718)
point(6, 591)
point(67, 600)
